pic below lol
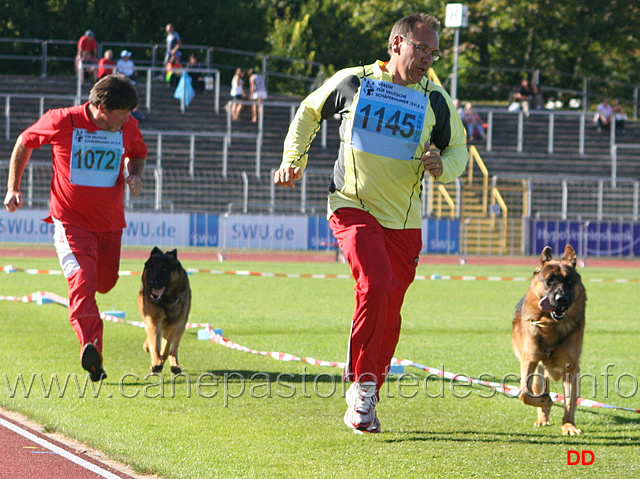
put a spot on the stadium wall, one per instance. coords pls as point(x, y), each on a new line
point(270, 232)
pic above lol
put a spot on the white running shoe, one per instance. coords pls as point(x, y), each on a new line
point(361, 401)
point(374, 427)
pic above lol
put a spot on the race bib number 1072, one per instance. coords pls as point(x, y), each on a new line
point(95, 157)
point(388, 119)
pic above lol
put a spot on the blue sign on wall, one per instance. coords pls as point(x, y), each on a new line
point(320, 236)
point(440, 236)
point(589, 238)
point(204, 230)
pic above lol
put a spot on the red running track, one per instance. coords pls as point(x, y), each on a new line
point(194, 254)
point(26, 453)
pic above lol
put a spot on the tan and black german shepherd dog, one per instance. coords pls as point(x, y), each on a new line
point(548, 327)
point(164, 302)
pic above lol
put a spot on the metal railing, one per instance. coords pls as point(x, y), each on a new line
point(154, 60)
point(551, 115)
point(41, 101)
point(149, 83)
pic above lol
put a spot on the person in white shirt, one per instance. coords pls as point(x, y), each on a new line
point(258, 93)
point(604, 114)
point(126, 66)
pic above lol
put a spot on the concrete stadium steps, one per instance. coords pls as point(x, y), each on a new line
point(490, 236)
point(197, 183)
point(565, 158)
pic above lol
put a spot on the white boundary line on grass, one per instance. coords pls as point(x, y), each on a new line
point(58, 450)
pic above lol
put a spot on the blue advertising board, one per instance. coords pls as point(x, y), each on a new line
point(440, 236)
point(589, 238)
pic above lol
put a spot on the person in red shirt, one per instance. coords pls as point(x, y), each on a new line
point(106, 65)
point(96, 147)
point(87, 53)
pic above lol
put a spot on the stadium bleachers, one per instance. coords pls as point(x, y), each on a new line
point(193, 168)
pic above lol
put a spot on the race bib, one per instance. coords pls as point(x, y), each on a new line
point(388, 119)
point(95, 157)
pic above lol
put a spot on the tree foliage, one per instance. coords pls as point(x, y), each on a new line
point(565, 39)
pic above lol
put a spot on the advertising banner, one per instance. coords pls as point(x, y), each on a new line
point(153, 229)
point(440, 236)
point(204, 230)
point(589, 238)
point(25, 226)
point(277, 232)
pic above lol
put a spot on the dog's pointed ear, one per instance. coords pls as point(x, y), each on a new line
point(173, 253)
point(156, 251)
point(569, 255)
point(546, 255)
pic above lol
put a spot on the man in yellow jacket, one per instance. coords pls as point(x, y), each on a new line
point(391, 114)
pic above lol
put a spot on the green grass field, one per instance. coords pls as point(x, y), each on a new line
point(239, 415)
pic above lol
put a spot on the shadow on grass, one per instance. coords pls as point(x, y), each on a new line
point(593, 439)
point(228, 375)
point(240, 375)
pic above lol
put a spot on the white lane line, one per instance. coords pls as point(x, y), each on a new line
point(58, 450)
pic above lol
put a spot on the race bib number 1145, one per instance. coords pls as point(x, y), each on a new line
point(388, 119)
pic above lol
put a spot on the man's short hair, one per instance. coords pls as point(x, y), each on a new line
point(114, 92)
point(406, 25)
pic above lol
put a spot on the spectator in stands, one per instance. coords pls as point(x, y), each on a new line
point(537, 101)
point(87, 54)
point(126, 66)
point(620, 116)
point(87, 200)
point(237, 93)
point(375, 211)
point(173, 70)
point(524, 96)
point(197, 78)
point(604, 114)
point(173, 43)
point(458, 106)
point(258, 92)
point(472, 122)
point(106, 65)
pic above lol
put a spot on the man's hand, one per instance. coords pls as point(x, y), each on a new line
point(432, 162)
point(135, 184)
point(13, 201)
point(286, 175)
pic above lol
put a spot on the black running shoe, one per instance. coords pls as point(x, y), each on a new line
point(92, 362)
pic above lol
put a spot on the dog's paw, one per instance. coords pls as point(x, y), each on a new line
point(569, 429)
point(544, 400)
point(157, 368)
point(541, 423)
point(176, 369)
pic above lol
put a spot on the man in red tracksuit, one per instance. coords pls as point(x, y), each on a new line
point(94, 147)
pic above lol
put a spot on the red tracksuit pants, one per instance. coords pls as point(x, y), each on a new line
point(90, 263)
point(383, 262)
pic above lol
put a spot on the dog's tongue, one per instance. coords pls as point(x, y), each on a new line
point(545, 305)
point(158, 292)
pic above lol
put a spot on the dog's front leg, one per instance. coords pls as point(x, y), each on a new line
point(541, 386)
point(154, 341)
point(527, 395)
point(570, 386)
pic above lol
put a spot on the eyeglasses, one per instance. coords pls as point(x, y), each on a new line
point(434, 55)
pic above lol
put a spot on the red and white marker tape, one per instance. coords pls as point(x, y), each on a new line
point(431, 277)
point(43, 297)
